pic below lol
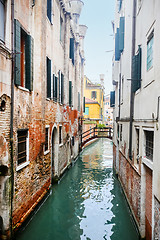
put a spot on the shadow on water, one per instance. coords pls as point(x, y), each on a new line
point(87, 204)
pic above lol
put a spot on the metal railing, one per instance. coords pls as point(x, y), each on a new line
point(106, 132)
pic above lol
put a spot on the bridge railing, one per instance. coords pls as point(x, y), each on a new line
point(95, 132)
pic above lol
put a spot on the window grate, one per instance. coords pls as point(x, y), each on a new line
point(149, 144)
point(22, 146)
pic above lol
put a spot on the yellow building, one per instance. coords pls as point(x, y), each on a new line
point(94, 100)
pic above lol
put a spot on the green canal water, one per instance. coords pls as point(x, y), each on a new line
point(87, 204)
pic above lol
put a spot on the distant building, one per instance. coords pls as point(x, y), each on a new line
point(94, 100)
point(108, 111)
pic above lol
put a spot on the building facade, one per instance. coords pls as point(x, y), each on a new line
point(94, 100)
point(136, 109)
point(41, 107)
point(108, 111)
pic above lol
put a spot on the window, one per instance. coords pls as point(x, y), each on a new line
point(86, 111)
point(46, 146)
point(60, 134)
point(120, 132)
point(71, 53)
point(61, 30)
point(78, 101)
point(2, 19)
point(22, 146)
point(23, 58)
point(150, 51)
point(93, 94)
point(61, 87)
point(70, 93)
point(48, 78)
point(149, 138)
point(49, 10)
point(137, 144)
point(55, 87)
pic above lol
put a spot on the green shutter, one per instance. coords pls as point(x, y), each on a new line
point(29, 62)
point(72, 49)
point(49, 9)
point(53, 87)
point(136, 71)
point(70, 93)
point(121, 34)
point(48, 78)
point(59, 84)
point(56, 87)
point(112, 99)
point(17, 42)
point(62, 88)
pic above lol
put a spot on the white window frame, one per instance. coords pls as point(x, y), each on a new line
point(150, 48)
point(2, 19)
point(46, 151)
point(148, 162)
point(26, 163)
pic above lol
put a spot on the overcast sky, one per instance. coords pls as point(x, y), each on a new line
point(97, 15)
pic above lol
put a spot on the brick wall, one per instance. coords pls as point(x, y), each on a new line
point(156, 219)
point(130, 180)
point(148, 205)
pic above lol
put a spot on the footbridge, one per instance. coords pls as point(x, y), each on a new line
point(92, 133)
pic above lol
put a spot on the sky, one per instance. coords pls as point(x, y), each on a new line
point(97, 16)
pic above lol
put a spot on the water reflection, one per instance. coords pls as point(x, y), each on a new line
point(87, 204)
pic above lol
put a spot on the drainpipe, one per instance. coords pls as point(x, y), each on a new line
point(132, 93)
point(119, 112)
point(12, 114)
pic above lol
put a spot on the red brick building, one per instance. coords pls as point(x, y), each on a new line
point(41, 96)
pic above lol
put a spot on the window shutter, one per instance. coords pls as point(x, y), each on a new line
point(29, 62)
point(17, 42)
point(49, 9)
point(72, 49)
point(48, 78)
point(136, 71)
point(62, 88)
point(56, 86)
point(53, 87)
point(117, 52)
point(84, 104)
point(112, 99)
point(70, 93)
point(121, 34)
point(59, 83)
point(120, 4)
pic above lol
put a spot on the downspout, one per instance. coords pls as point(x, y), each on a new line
point(132, 93)
point(119, 112)
point(12, 114)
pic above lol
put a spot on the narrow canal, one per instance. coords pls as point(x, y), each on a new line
point(87, 204)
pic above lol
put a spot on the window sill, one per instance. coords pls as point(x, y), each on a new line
point(46, 152)
point(23, 89)
point(19, 167)
point(147, 162)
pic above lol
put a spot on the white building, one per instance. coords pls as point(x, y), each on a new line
point(136, 74)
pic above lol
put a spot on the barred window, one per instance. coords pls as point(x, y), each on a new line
point(46, 146)
point(149, 140)
point(60, 134)
point(22, 146)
